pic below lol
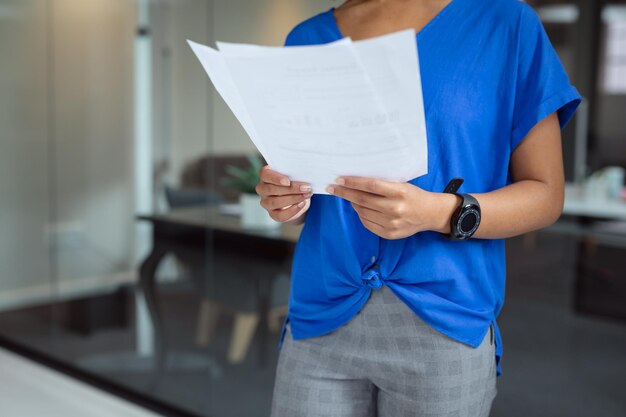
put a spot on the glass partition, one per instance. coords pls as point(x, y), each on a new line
point(123, 250)
point(110, 129)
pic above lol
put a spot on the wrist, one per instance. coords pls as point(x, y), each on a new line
point(443, 206)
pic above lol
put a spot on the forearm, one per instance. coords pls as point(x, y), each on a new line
point(513, 210)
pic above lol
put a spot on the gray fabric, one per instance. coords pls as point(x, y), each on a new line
point(385, 362)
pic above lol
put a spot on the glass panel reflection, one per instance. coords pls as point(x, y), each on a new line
point(124, 251)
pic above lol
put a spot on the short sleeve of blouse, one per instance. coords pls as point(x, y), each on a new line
point(543, 86)
point(297, 36)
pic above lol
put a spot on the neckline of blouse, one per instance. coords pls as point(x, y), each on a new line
point(446, 10)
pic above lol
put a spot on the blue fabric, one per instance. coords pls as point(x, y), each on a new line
point(489, 75)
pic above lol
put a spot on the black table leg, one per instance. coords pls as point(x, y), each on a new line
point(147, 286)
point(579, 268)
point(264, 286)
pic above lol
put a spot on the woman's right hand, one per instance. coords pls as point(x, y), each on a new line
point(284, 200)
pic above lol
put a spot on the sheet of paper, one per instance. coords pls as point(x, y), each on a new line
point(214, 65)
point(317, 112)
point(250, 49)
point(392, 62)
point(396, 54)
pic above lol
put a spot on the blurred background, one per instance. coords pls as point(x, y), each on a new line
point(132, 253)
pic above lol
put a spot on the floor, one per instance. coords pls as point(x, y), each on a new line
point(556, 363)
point(31, 390)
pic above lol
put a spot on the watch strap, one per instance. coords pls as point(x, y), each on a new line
point(466, 200)
point(454, 185)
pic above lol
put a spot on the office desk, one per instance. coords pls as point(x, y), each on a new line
point(601, 220)
point(189, 234)
point(593, 222)
point(576, 204)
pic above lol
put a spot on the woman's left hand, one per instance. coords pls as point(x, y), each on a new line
point(395, 210)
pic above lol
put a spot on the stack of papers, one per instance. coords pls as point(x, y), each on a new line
point(317, 112)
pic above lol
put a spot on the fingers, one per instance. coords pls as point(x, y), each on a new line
point(281, 197)
point(274, 183)
point(371, 185)
point(374, 227)
point(361, 198)
point(279, 202)
point(284, 214)
point(267, 189)
point(372, 216)
point(379, 223)
point(270, 176)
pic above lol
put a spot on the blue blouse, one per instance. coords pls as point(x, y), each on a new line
point(489, 75)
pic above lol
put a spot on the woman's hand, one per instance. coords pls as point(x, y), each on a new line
point(284, 200)
point(395, 210)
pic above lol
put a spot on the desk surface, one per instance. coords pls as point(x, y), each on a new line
point(577, 205)
point(210, 218)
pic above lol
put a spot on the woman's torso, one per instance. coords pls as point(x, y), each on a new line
point(468, 56)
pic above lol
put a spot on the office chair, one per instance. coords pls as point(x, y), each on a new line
point(222, 276)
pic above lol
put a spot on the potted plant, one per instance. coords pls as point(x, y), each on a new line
point(245, 180)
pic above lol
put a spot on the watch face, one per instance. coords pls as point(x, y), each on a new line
point(468, 221)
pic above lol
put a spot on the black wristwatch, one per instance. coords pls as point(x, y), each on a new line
point(466, 218)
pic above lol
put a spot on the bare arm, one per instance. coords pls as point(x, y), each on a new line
point(534, 200)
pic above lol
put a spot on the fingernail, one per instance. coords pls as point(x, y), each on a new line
point(301, 204)
point(340, 181)
point(285, 181)
point(305, 188)
point(330, 189)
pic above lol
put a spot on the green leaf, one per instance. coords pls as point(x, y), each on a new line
point(244, 180)
point(237, 172)
point(255, 162)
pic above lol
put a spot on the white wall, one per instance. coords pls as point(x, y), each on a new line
point(201, 122)
point(93, 130)
point(66, 119)
point(183, 107)
point(66, 125)
point(24, 203)
point(264, 22)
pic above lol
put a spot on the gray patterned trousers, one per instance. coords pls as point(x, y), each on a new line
point(384, 362)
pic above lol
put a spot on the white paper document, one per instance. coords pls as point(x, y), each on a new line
point(317, 112)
